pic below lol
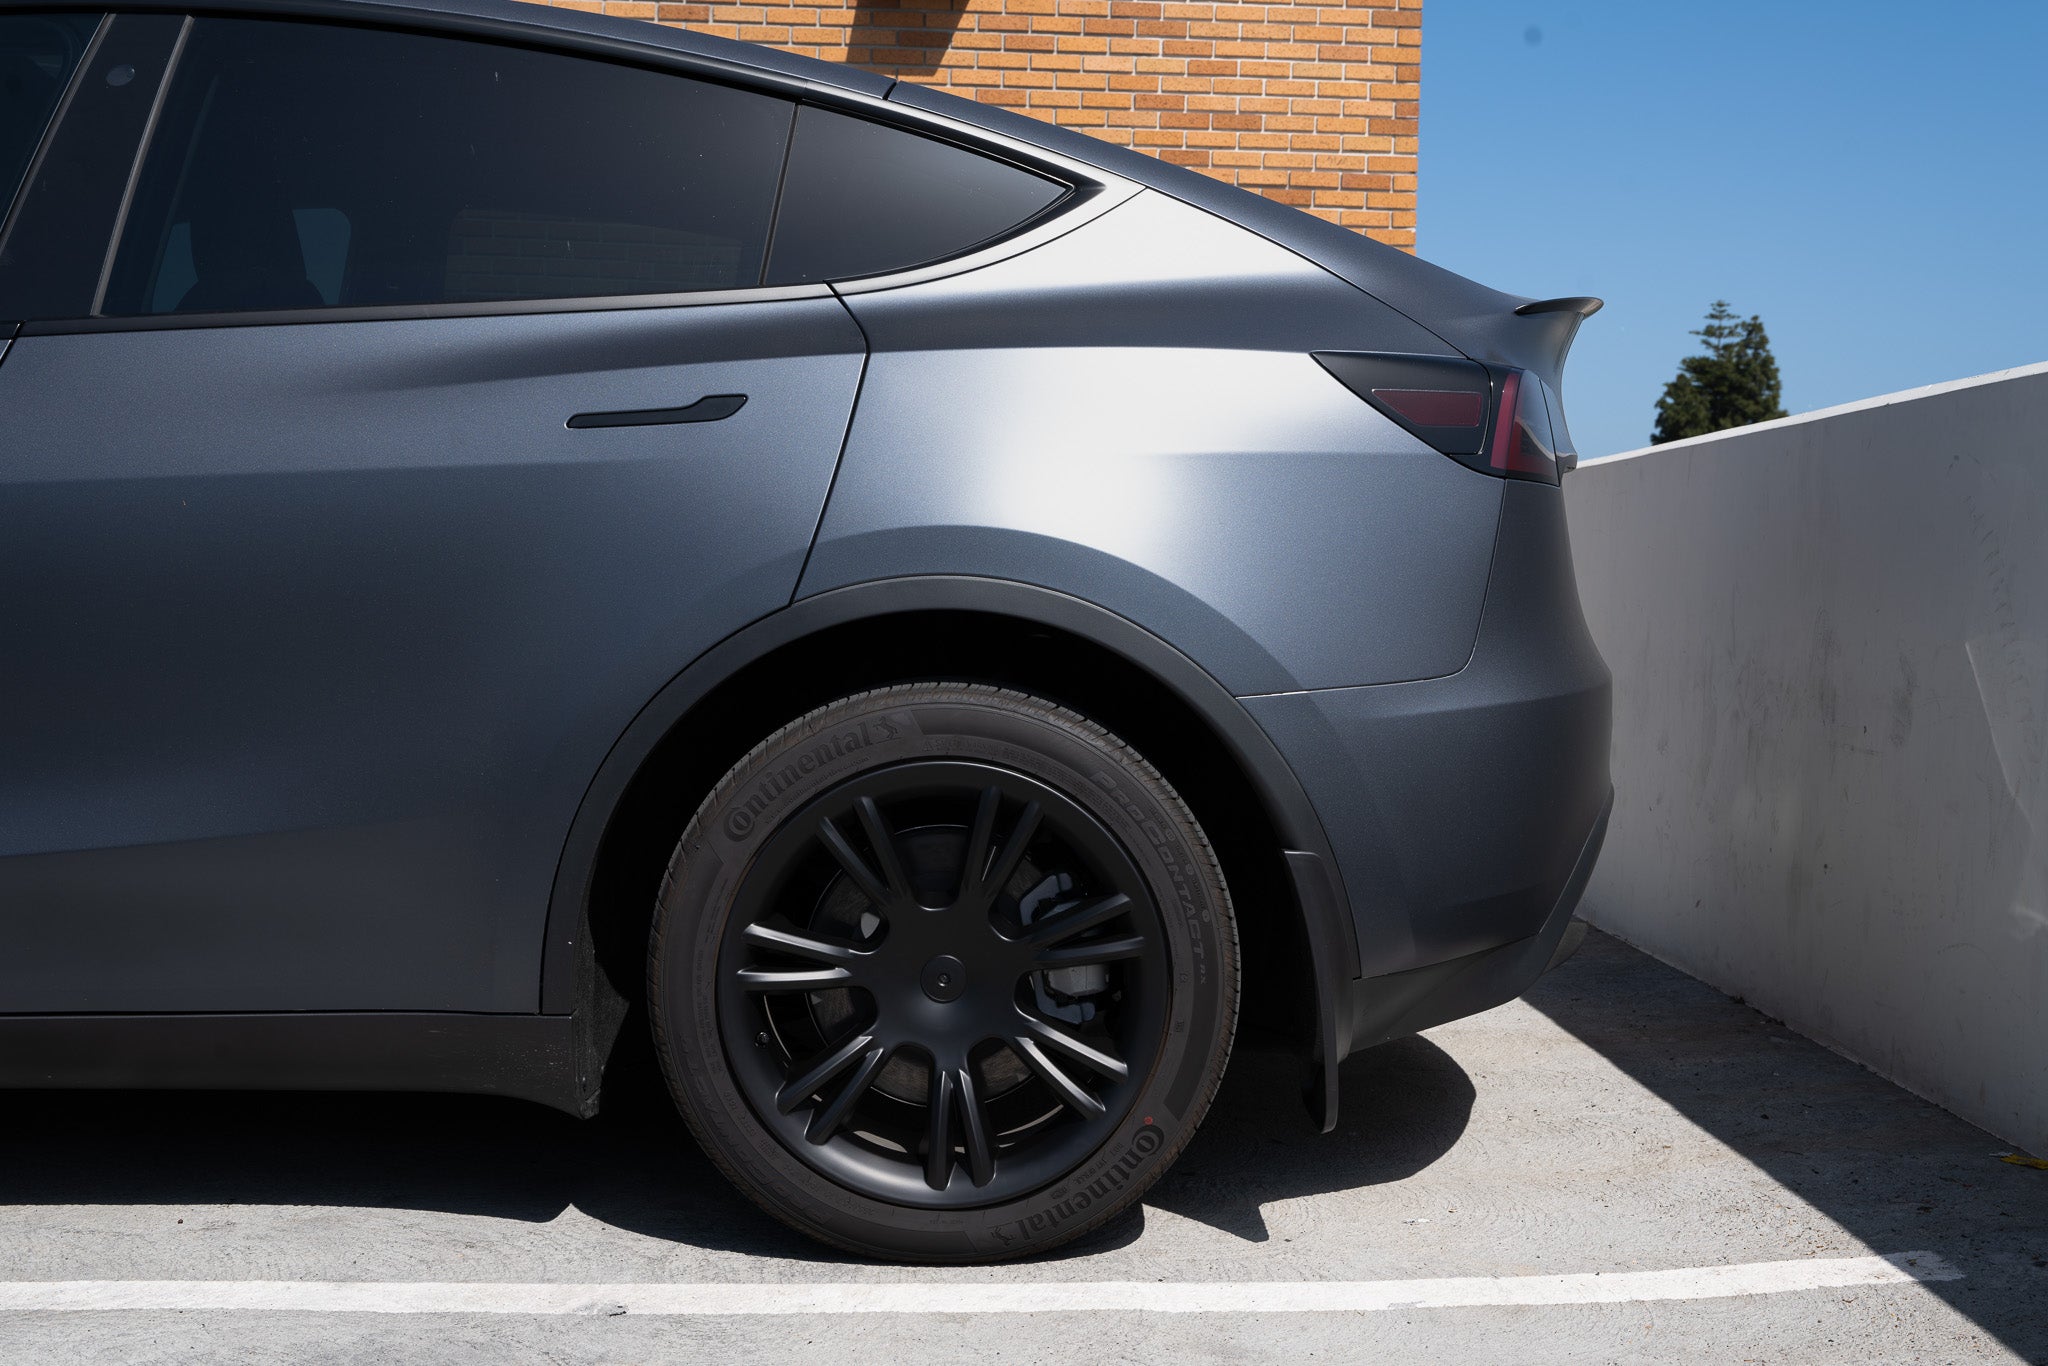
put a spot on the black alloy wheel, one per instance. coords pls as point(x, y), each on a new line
point(935, 979)
point(915, 983)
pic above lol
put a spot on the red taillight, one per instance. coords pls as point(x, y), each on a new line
point(1441, 400)
point(1436, 407)
point(1495, 420)
point(1521, 431)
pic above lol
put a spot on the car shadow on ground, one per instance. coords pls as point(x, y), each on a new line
point(1258, 1147)
point(636, 1167)
point(1896, 1172)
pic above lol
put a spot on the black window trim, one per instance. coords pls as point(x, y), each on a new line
point(1090, 192)
point(1077, 208)
point(135, 165)
point(373, 313)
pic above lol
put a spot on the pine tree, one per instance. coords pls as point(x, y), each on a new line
point(1734, 384)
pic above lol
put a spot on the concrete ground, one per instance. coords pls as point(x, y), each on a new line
point(1623, 1118)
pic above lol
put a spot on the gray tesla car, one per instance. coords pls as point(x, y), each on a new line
point(520, 530)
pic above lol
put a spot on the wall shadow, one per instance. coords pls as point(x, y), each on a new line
point(1898, 1173)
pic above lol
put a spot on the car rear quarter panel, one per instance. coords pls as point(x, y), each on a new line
point(1130, 413)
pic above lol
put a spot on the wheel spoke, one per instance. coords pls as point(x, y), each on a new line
point(826, 1121)
point(796, 1092)
point(1082, 915)
point(885, 845)
point(980, 843)
point(854, 865)
point(804, 946)
point(938, 1156)
point(981, 1162)
point(1052, 1036)
point(1051, 1073)
point(1088, 954)
point(1005, 866)
point(794, 979)
point(953, 1095)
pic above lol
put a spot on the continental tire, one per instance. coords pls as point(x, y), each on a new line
point(943, 973)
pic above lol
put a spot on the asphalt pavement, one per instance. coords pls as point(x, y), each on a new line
point(1624, 1166)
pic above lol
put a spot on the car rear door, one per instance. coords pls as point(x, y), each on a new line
point(372, 453)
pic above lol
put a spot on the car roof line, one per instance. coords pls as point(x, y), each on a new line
point(517, 20)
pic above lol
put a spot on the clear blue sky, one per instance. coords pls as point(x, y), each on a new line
point(1869, 176)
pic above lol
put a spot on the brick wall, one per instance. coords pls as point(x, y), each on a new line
point(1314, 105)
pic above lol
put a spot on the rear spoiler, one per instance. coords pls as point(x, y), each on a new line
point(1536, 335)
point(1585, 305)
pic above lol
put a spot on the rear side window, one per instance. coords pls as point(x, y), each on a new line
point(863, 198)
point(301, 165)
point(38, 53)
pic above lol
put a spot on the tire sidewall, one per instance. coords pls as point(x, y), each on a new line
point(900, 725)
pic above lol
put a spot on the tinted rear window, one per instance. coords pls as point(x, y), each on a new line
point(303, 165)
point(863, 198)
point(38, 53)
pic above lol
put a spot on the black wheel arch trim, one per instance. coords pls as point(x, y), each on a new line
point(1315, 887)
point(566, 984)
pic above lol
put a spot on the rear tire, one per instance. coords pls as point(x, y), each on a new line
point(943, 973)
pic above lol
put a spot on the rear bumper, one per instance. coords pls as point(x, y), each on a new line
point(1464, 813)
point(1458, 809)
point(1402, 1003)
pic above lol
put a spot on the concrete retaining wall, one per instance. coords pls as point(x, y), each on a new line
point(1829, 637)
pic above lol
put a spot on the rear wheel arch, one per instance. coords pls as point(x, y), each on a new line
point(960, 629)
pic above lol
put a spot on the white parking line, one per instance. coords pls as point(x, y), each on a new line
point(972, 1297)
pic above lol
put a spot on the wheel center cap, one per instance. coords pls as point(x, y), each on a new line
point(944, 978)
